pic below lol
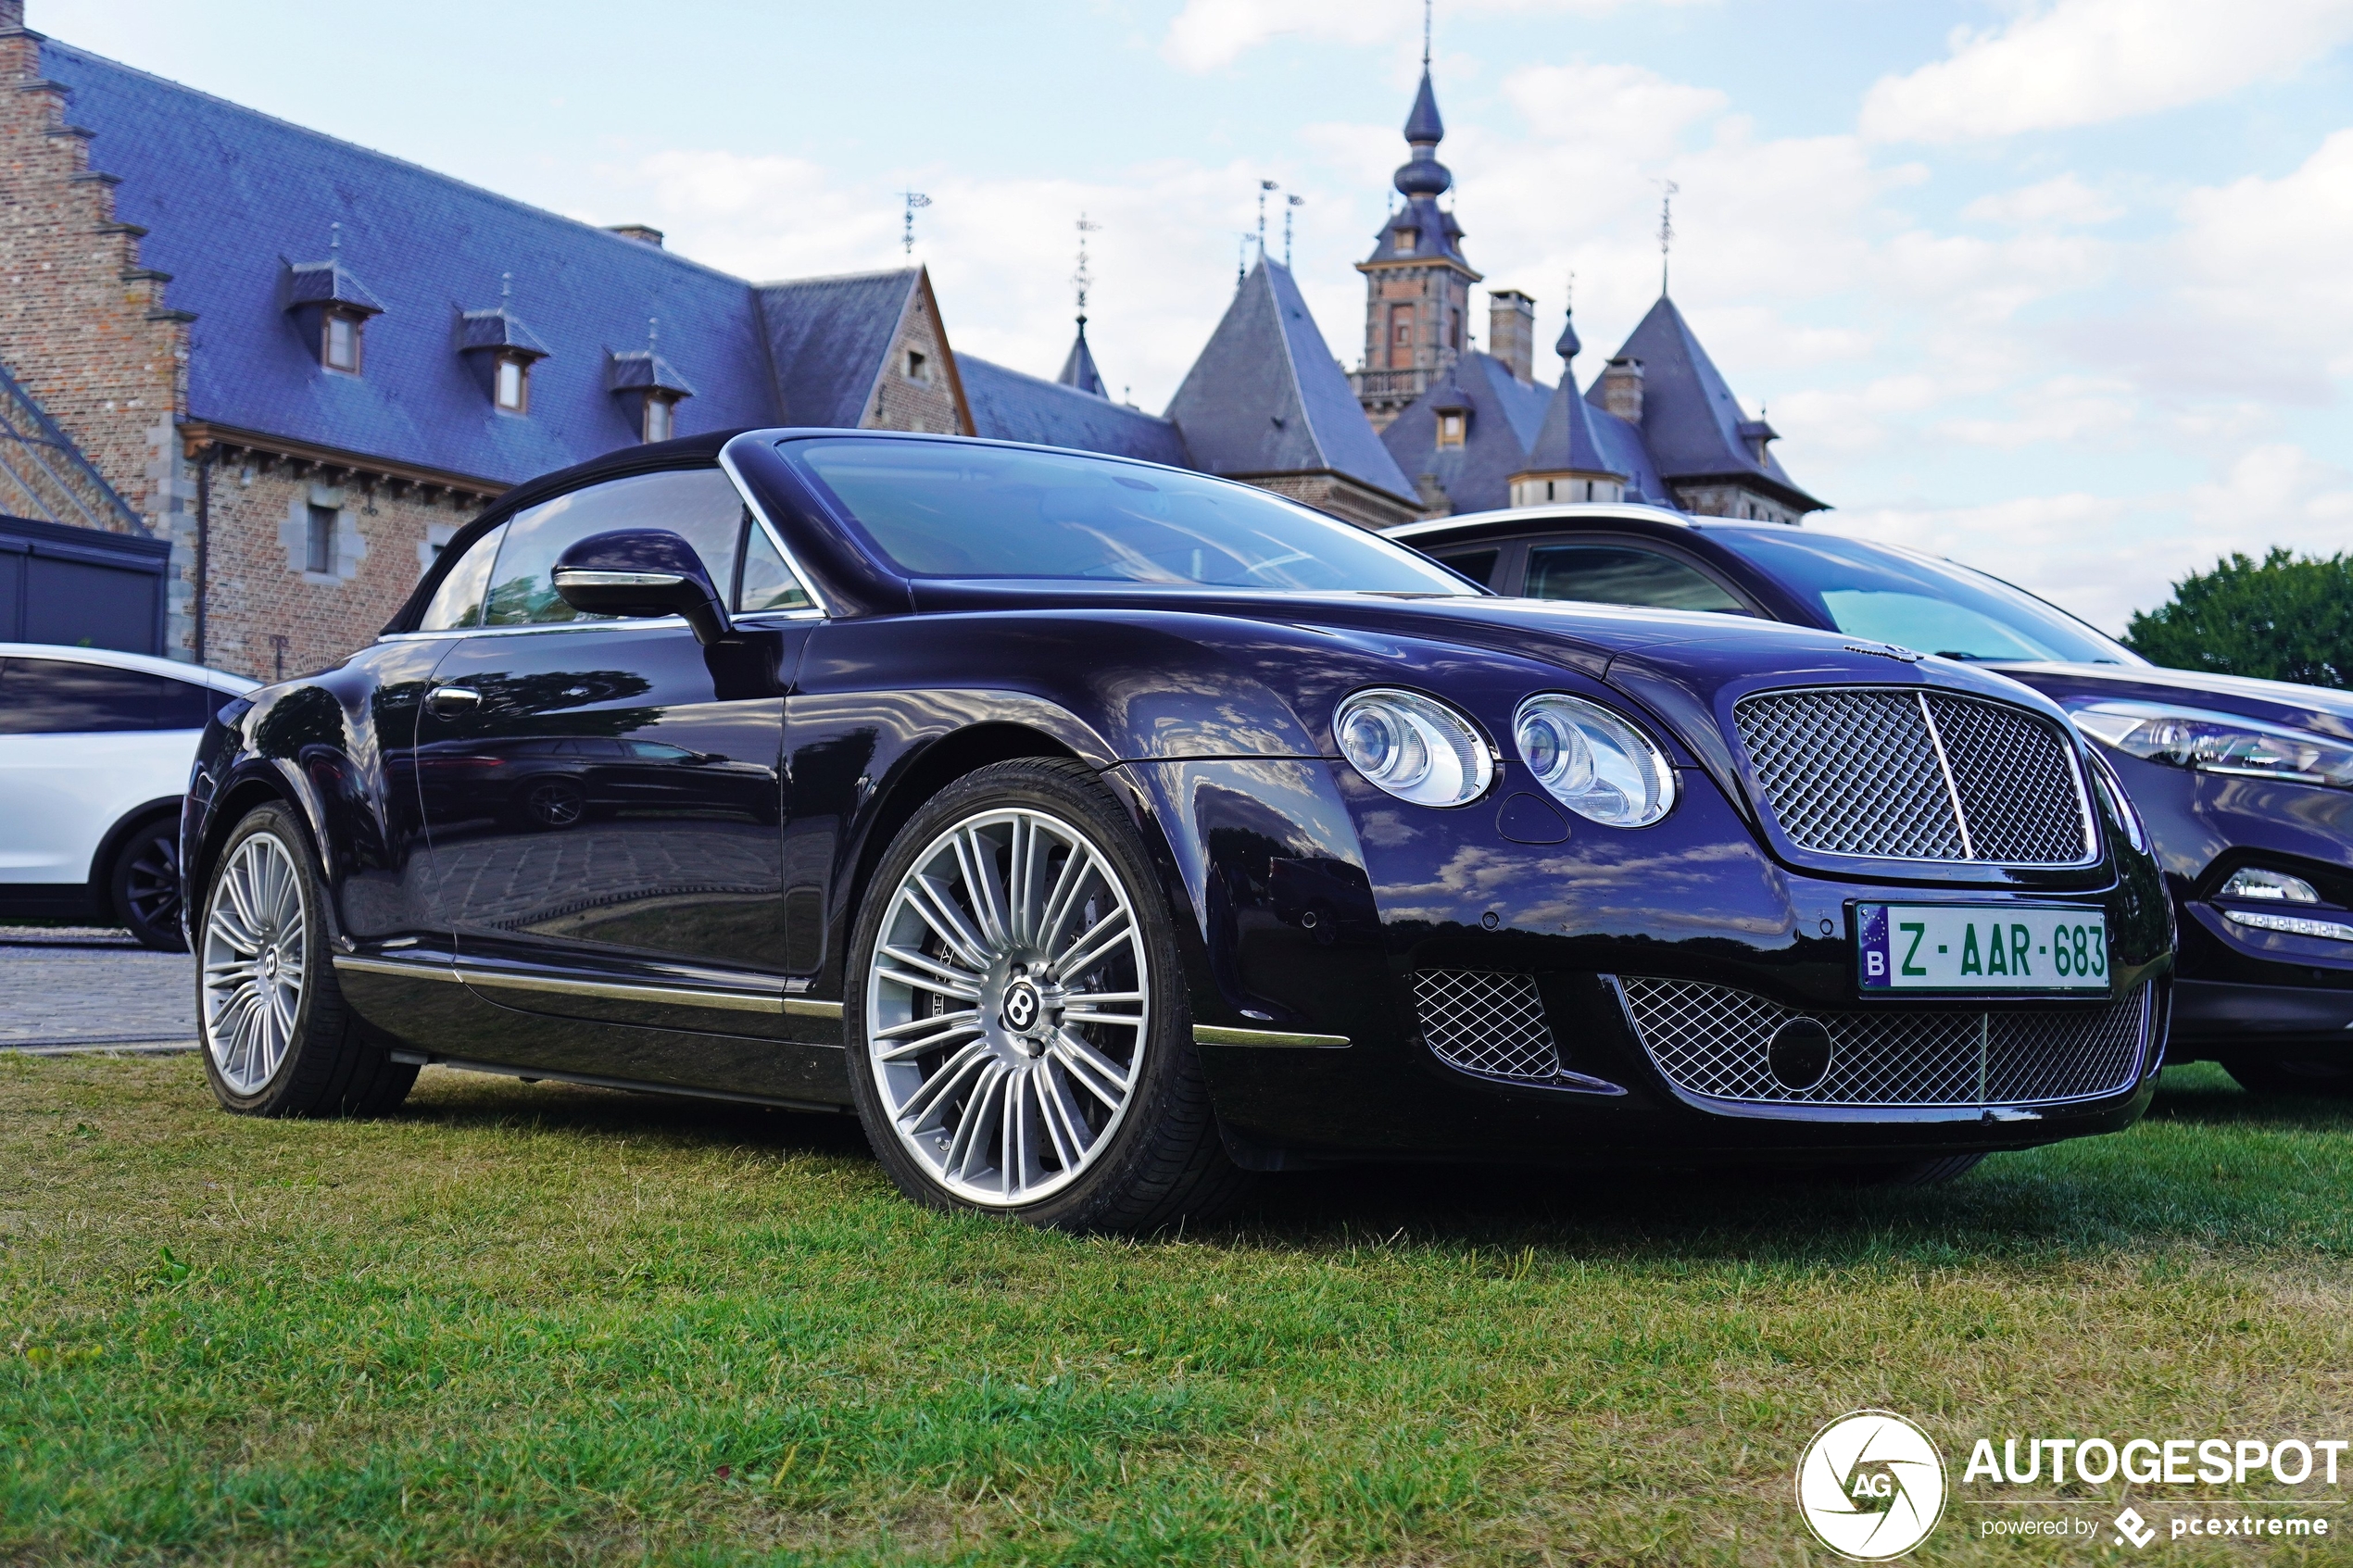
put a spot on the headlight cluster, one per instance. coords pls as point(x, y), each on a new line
point(1597, 764)
point(2218, 743)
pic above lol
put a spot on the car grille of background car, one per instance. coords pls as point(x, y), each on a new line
point(1902, 773)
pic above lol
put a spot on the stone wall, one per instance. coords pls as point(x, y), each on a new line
point(1340, 495)
point(1732, 500)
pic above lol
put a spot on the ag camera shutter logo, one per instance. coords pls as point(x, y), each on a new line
point(1871, 1486)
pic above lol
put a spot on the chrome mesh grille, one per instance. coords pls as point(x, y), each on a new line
point(1712, 1040)
point(1491, 1023)
point(1916, 775)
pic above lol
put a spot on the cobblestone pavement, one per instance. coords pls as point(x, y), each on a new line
point(79, 988)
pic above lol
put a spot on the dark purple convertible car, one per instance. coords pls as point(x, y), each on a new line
point(1122, 830)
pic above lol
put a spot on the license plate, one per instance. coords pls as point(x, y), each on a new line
point(1977, 948)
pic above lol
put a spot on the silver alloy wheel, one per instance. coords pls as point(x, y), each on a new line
point(252, 955)
point(1008, 1005)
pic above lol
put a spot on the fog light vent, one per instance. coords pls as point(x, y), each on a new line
point(1488, 1023)
point(1799, 1054)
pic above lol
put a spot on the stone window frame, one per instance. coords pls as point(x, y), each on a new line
point(520, 365)
point(349, 548)
point(358, 321)
point(429, 548)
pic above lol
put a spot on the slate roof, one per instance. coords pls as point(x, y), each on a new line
point(1691, 421)
point(1008, 406)
point(233, 198)
point(1506, 417)
point(1266, 397)
point(1078, 370)
point(826, 338)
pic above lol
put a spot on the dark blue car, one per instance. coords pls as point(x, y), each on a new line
point(1134, 830)
point(2246, 787)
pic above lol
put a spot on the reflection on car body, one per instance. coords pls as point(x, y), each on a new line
point(1135, 828)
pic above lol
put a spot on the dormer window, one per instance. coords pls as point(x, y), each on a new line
point(510, 386)
point(661, 415)
point(1406, 240)
point(918, 368)
point(500, 351)
point(341, 350)
point(1452, 424)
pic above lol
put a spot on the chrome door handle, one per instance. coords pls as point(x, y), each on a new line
point(445, 702)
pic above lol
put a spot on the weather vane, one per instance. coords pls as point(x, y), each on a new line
point(1291, 203)
point(1425, 37)
point(1264, 186)
point(1665, 229)
point(914, 199)
point(1082, 279)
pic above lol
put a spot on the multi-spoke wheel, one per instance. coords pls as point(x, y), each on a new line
point(1015, 1001)
point(146, 886)
point(278, 1039)
point(553, 802)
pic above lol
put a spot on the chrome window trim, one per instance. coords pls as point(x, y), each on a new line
point(776, 536)
point(623, 624)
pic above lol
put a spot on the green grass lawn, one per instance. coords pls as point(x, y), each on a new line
point(538, 1323)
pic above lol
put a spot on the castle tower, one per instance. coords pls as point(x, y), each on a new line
point(1416, 283)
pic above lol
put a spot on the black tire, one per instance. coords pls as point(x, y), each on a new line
point(2291, 1075)
point(552, 804)
point(144, 888)
point(332, 1064)
point(1160, 1160)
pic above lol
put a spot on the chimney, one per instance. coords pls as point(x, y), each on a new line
point(1511, 331)
point(645, 234)
point(11, 16)
point(1622, 389)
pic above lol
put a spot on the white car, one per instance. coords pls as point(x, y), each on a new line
point(94, 751)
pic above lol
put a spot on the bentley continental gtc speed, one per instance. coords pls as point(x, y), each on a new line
point(1119, 831)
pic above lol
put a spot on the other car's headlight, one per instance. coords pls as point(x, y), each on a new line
point(2112, 791)
point(2218, 743)
point(2254, 882)
point(1592, 761)
point(1415, 748)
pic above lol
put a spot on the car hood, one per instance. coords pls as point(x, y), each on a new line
point(2317, 709)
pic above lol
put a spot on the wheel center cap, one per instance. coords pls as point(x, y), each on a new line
point(1022, 1007)
point(269, 966)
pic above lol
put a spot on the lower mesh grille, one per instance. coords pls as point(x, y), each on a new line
point(1489, 1023)
point(1713, 1040)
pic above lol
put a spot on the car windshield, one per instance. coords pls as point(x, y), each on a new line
point(940, 508)
point(1867, 590)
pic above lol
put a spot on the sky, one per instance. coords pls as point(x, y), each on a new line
point(2062, 289)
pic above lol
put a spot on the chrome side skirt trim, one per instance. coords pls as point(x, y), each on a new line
point(614, 990)
point(1270, 1039)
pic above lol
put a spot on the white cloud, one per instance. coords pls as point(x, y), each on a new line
point(1209, 33)
point(2084, 62)
point(2063, 200)
point(2277, 493)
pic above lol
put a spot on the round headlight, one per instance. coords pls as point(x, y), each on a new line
point(1592, 761)
point(1413, 746)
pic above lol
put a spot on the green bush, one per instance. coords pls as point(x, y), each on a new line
point(2282, 619)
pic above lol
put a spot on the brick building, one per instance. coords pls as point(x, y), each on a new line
point(299, 365)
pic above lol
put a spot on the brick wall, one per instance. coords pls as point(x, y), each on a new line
point(921, 396)
point(1340, 495)
point(83, 325)
point(259, 560)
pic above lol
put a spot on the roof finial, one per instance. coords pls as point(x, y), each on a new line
point(1082, 279)
point(653, 333)
point(1665, 229)
point(914, 199)
point(1568, 345)
point(1264, 186)
point(1425, 37)
point(334, 239)
point(505, 288)
point(1293, 204)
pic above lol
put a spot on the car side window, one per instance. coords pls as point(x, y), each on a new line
point(768, 582)
point(457, 602)
point(1476, 564)
point(187, 705)
point(55, 696)
point(699, 504)
point(1624, 574)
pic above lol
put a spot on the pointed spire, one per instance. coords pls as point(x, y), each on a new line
point(1078, 370)
point(1568, 346)
point(1424, 175)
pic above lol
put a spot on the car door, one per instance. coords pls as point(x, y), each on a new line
point(82, 745)
point(1617, 569)
point(600, 795)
